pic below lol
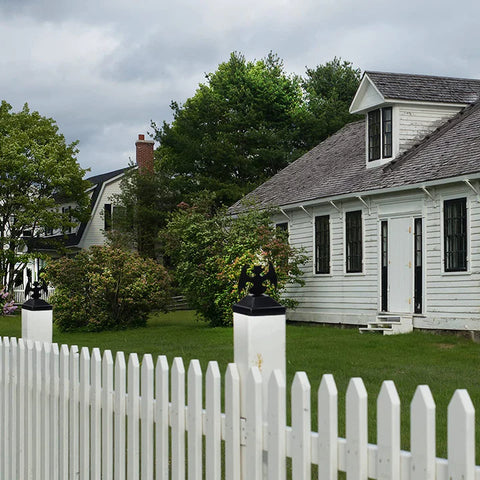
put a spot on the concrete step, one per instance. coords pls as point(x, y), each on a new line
point(371, 330)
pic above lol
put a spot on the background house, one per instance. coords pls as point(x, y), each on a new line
point(388, 209)
point(102, 218)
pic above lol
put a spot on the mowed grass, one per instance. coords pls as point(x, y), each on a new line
point(444, 362)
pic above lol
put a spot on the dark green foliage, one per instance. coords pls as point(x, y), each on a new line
point(329, 89)
point(248, 121)
point(140, 211)
point(238, 130)
point(106, 288)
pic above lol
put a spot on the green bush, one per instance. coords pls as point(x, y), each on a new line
point(106, 288)
point(209, 251)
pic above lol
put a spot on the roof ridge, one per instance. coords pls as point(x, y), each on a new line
point(437, 133)
point(420, 75)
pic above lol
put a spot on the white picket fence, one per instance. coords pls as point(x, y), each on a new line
point(70, 414)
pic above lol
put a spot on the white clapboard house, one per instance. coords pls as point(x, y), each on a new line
point(388, 209)
point(103, 187)
point(102, 209)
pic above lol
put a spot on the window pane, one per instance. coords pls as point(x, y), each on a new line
point(353, 232)
point(387, 131)
point(322, 244)
point(374, 135)
point(107, 216)
point(455, 234)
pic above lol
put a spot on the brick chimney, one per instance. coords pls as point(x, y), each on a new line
point(144, 154)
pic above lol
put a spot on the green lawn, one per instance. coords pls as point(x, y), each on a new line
point(444, 362)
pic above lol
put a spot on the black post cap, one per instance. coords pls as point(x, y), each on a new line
point(256, 303)
point(36, 304)
point(258, 306)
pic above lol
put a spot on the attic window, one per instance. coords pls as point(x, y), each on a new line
point(380, 134)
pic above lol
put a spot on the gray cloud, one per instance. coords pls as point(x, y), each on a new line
point(103, 70)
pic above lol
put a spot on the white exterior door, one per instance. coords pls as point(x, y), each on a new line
point(400, 265)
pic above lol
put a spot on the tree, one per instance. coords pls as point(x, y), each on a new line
point(38, 172)
point(248, 121)
point(141, 210)
point(239, 129)
point(329, 91)
point(106, 288)
point(209, 251)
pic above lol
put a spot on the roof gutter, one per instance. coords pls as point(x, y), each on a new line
point(382, 191)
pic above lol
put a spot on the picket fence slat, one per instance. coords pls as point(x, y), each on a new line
point(20, 457)
point(147, 417)
point(213, 419)
point(422, 434)
point(327, 401)
point(95, 414)
point(6, 399)
point(84, 409)
point(178, 419)
point(37, 411)
point(53, 441)
point(254, 425)
point(461, 437)
point(194, 420)
point(45, 356)
point(356, 430)
point(119, 444)
point(133, 417)
point(301, 448)
point(388, 432)
point(69, 415)
point(232, 423)
point(63, 404)
point(161, 419)
point(107, 415)
point(73, 435)
point(276, 427)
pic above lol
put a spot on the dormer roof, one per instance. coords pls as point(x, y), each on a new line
point(377, 88)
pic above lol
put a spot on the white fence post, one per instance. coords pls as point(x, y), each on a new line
point(37, 318)
point(258, 340)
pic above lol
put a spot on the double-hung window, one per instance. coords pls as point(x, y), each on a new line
point(322, 244)
point(380, 134)
point(455, 235)
point(107, 216)
point(353, 241)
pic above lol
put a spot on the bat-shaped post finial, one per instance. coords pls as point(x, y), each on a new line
point(258, 288)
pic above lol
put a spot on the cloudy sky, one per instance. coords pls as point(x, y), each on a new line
point(103, 69)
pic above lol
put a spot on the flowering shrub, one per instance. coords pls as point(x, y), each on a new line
point(7, 302)
point(106, 288)
point(209, 251)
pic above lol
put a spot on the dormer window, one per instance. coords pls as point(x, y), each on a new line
point(380, 134)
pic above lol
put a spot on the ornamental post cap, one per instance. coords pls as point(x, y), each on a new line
point(256, 303)
point(258, 288)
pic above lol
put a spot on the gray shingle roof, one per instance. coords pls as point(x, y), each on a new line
point(337, 165)
point(401, 86)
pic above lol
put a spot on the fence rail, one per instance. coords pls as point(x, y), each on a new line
point(67, 414)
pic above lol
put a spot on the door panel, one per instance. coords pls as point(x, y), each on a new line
point(400, 259)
